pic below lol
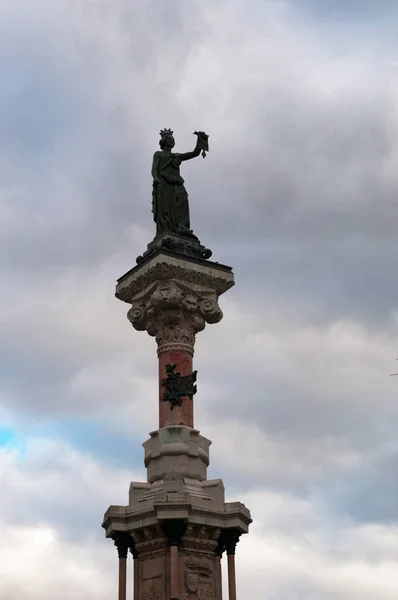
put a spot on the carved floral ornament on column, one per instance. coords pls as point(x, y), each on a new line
point(174, 312)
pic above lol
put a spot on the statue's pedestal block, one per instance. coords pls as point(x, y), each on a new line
point(189, 245)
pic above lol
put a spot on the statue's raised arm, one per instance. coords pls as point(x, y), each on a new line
point(202, 145)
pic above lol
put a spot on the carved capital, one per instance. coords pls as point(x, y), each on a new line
point(231, 537)
point(227, 541)
point(123, 543)
point(174, 311)
point(174, 529)
point(147, 540)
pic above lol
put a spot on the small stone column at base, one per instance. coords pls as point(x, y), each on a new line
point(122, 578)
point(218, 579)
point(174, 530)
point(174, 572)
point(231, 539)
point(122, 545)
point(135, 571)
point(231, 577)
point(136, 580)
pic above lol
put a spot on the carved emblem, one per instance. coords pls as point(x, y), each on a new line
point(192, 581)
point(199, 582)
point(177, 386)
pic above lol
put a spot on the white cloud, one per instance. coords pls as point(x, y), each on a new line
point(294, 546)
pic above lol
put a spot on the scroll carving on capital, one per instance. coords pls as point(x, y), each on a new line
point(173, 312)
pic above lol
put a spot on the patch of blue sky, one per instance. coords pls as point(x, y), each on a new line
point(11, 440)
point(8, 436)
point(97, 438)
point(349, 10)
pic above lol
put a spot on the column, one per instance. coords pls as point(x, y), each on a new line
point(173, 312)
point(122, 544)
point(135, 571)
point(174, 530)
point(170, 413)
point(231, 539)
point(218, 575)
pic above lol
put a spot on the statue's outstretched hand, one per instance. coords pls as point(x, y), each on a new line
point(203, 142)
point(201, 134)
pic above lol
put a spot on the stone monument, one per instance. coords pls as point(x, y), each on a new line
point(176, 525)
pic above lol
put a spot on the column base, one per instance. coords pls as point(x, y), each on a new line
point(177, 458)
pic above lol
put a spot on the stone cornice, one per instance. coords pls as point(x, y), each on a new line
point(119, 519)
point(168, 265)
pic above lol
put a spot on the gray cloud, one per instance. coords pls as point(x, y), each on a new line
point(298, 193)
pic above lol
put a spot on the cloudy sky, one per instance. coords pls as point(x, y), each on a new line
point(299, 194)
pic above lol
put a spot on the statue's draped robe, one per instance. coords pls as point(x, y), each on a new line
point(170, 198)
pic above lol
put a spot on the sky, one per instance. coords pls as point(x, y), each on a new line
point(299, 194)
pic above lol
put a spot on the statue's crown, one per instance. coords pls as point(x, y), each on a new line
point(166, 132)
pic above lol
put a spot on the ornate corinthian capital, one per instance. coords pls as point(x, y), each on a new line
point(174, 311)
point(172, 297)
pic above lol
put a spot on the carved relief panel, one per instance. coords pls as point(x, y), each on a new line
point(152, 584)
point(199, 578)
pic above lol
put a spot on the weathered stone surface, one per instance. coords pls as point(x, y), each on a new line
point(201, 547)
point(176, 451)
point(177, 458)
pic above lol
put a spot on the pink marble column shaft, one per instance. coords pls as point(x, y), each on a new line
point(178, 415)
point(231, 577)
point(174, 576)
point(136, 577)
point(122, 578)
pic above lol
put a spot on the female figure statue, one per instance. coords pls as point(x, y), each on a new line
point(170, 205)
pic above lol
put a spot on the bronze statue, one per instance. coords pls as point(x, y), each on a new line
point(170, 205)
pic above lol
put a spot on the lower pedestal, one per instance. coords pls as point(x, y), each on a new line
point(177, 524)
point(197, 573)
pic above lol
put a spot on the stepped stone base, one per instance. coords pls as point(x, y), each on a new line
point(177, 500)
point(177, 524)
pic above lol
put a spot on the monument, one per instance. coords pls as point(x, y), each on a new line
point(176, 525)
